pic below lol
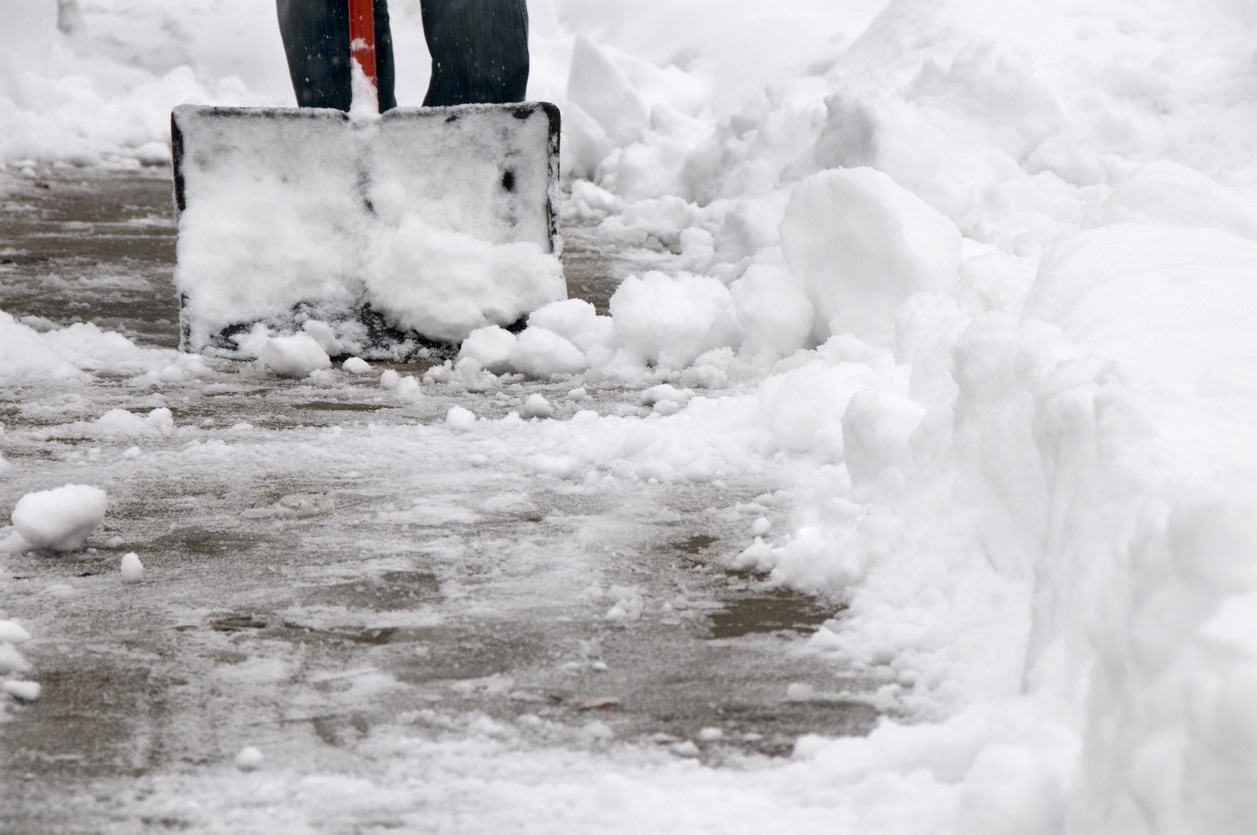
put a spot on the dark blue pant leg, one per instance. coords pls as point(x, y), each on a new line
point(316, 41)
point(479, 51)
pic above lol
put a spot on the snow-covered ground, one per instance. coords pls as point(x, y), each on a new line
point(983, 273)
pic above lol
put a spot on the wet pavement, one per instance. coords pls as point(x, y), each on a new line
point(308, 584)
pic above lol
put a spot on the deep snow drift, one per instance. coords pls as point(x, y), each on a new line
point(987, 268)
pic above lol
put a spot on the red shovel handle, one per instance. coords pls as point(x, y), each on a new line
point(362, 36)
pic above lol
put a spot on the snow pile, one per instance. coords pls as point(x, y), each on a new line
point(60, 519)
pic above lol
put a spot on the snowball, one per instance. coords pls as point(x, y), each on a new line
point(459, 419)
point(60, 519)
point(761, 526)
point(491, 347)
point(249, 759)
point(862, 245)
point(356, 365)
point(389, 379)
point(537, 406)
point(26, 691)
point(132, 568)
point(408, 390)
point(297, 355)
point(672, 321)
point(543, 354)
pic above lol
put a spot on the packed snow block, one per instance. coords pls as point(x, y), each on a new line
point(396, 233)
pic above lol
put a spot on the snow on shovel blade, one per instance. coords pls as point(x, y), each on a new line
point(397, 233)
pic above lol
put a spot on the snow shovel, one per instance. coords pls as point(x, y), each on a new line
point(385, 237)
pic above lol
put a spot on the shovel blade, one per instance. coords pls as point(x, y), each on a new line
point(383, 238)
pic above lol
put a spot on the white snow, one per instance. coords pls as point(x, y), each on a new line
point(979, 276)
point(60, 519)
point(356, 365)
point(297, 355)
point(131, 567)
point(26, 691)
point(249, 759)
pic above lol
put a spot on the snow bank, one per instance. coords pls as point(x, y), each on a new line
point(60, 519)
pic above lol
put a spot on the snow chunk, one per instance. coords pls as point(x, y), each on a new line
point(862, 245)
point(25, 691)
point(543, 354)
point(121, 423)
point(491, 347)
point(248, 759)
point(297, 355)
point(578, 322)
point(673, 321)
point(775, 312)
point(537, 406)
point(132, 568)
point(356, 365)
point(460, 419)
point(60, 519)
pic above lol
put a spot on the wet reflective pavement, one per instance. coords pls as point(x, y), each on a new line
point(298, 603)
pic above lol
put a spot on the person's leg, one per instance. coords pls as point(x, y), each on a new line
point(385, 75)
point(479, 51)
point(316, 41)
